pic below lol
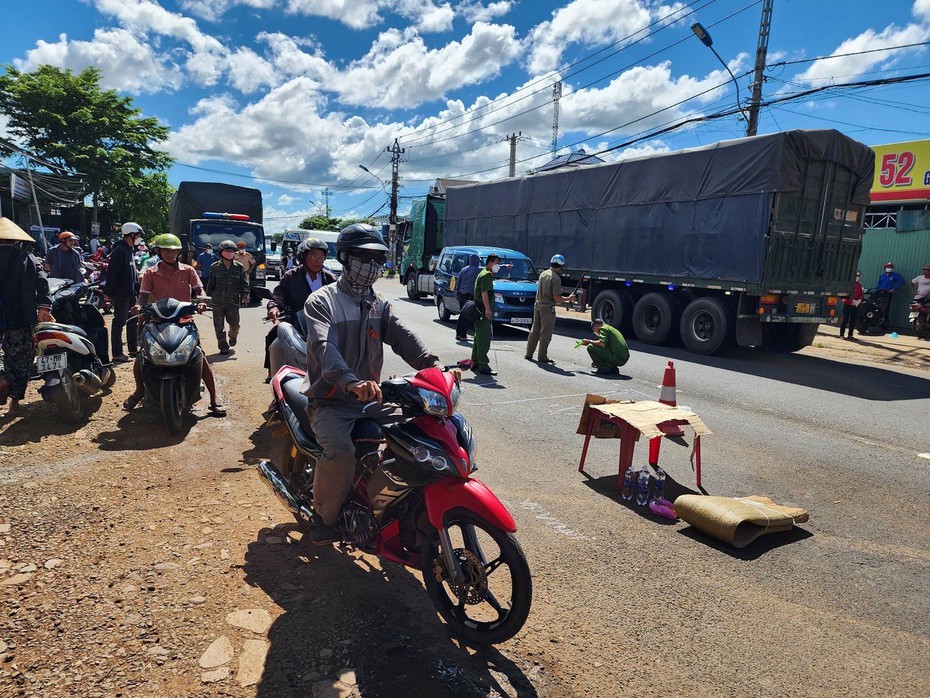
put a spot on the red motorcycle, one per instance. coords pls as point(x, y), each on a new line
point(414, 501)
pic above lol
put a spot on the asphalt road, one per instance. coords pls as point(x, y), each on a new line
point(626, 603)
point(839, 606)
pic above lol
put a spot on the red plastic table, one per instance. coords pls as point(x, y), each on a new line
point(663, 419)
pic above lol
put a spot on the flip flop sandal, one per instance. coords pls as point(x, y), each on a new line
point(130, 402)
point(217, 410)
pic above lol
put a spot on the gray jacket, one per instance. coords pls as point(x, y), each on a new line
point(346, 334)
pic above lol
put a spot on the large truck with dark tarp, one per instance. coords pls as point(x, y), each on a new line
point(750, 242)
point(210, 212)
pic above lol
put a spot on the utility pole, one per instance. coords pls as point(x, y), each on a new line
point(396, 151)
point(513, 138)
point(755, 100)
point(326, 194)
point(556, 96)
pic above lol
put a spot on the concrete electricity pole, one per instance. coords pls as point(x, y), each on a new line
point(755, 100)
point(396, 151)
point(513, 138)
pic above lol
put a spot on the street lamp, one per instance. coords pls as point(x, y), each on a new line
point(380, 181)
point(701, 33)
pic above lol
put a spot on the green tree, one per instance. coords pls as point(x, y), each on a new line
point(321, 222)
point(142, 199)
point(68, 119)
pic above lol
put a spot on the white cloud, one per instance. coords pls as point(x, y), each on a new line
point(213, 10)
point(248, 71)
point(921, 10)
point(286, 200)
point(400, 71)
point(476, 11)
point(589, 23)
point(358, 14)
point(125, 62)
point(848, 68)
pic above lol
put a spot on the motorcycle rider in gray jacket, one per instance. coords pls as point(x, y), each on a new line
point(348, 325)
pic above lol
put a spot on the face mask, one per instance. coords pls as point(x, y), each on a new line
point(495, 268)
point(361, 274)
point(228, 254)
point(888, 270)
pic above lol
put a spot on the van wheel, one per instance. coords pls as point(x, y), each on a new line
point(411, 282)
point(656, 318)
point(615, 308)
point(442, 310)
point(708, 326)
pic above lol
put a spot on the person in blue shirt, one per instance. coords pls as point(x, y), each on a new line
point(204, 261)
point(63, 261)
point(887, 284)
point(464, 291)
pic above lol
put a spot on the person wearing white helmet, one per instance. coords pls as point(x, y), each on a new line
point(548, 293)
point(122, 285)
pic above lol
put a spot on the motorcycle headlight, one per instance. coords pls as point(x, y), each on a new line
point(454, 394)
point(433, 402)
point(179, 356)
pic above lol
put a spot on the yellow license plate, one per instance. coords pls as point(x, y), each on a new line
point(803, 308)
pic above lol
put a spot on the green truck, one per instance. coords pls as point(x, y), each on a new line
point(750, 242)
point(422, 240)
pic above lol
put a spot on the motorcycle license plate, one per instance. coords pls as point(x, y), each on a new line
point(51, 362)
point(522, 321)
point(804, 308)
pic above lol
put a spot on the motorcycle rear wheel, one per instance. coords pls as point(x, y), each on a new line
point(494, 602)
point(71, 404)
point(921, 328)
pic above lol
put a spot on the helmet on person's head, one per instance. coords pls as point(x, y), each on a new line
point(310, 244)
point(166, 241)
point(67, 235)
point(227, 245)
point(557, 259)
point(240, 245)
point(889, 264)
point(131, 228)
point(359, 237)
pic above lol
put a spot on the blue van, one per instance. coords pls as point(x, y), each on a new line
point(514, 284)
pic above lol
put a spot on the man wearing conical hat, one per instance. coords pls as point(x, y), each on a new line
point(24, 300)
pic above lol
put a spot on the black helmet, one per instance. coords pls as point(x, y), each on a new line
point(310, 244)
point(359, 236)
point(227, 245)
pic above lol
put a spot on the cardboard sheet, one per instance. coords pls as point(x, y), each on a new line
point(644, 415)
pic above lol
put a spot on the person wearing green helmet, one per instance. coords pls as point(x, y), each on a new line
point(170, 278)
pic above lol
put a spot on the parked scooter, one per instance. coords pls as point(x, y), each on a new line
point(171, 359)
point(871, 319)
point(97, 276)
point(415, 502)
point(919, 317)
point(72, 354)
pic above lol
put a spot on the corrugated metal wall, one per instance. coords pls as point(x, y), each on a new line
point(908, 250)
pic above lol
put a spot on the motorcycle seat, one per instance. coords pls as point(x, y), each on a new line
point(60, 327)
point(297, 401)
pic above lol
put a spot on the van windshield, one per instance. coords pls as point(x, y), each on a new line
point(515, 269)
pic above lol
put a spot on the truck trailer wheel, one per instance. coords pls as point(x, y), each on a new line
point(708, 326)
point(411, 283)
point(656, 318)
point(615, 308)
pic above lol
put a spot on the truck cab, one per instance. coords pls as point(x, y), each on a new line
point(213, 228)
point(422, 243)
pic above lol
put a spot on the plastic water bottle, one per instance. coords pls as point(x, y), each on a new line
point(642, 487)
point(628, 478)
point(658, 489)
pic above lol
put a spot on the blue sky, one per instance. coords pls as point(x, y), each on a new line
point(291, 96)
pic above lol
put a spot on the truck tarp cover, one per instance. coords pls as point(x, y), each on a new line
point(192, 199)
point(701, 213)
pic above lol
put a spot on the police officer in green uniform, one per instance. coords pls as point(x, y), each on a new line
point(484, 299)
point(609, 351)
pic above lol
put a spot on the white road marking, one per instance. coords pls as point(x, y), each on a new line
point(924, 455)
point(549, 520)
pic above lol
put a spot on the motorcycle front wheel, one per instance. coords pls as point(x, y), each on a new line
point(173, 404)
point(493, 602)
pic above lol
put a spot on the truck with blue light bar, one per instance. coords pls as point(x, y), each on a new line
point(749, 242)
point(210, 212)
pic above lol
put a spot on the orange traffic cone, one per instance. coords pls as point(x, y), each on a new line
point(667, 397)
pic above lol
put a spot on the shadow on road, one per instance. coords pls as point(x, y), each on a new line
point(39, 420)
point(865, 382)
point(343, 611)
point(608, 486)
point(754, 550)
point(143, 428)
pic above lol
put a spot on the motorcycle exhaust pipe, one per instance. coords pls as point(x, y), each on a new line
point(283, 490)
point(87, 381)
